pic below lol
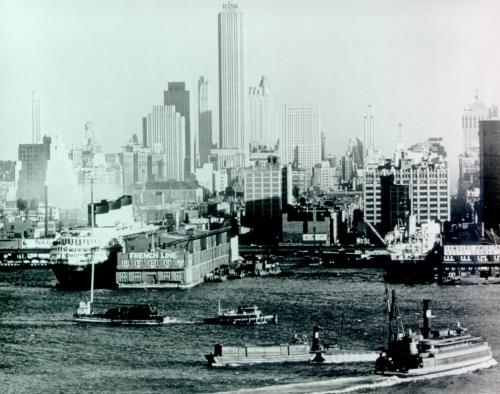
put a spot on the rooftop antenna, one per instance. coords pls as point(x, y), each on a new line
point(400, 131)
point(35, 118)
point(372, 128)
point(364, 136)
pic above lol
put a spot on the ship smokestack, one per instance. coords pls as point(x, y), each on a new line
point(315, 340)
point(46, 212)
point(427, 315)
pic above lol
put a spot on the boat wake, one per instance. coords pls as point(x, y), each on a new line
point(349, 385)
point(34, 322)
point(174, 320)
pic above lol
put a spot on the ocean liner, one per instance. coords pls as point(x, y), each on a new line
point(76, 250)
point(430, 351)
point(414, 254)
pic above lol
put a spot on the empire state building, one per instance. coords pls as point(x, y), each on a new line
point(231, 83)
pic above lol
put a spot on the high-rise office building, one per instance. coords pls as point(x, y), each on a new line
point(489, 159)
point(395, 204)
point(468, 161)
point(300, 141)
point(204, 122)
point(166, 128)
point(424, 171)
point(472, 114)
point(144, 131)
point(263, 199)
point(326, 177)
point(178, 95)
point(33, 173)
point(231, 82)
point(262, 118)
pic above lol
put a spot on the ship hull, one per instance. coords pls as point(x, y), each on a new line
point(225, 361)
point(119, 322)
point(419, 269)
point(77, 277)
point(479, 363)
point(241, 320)
point(341, 357)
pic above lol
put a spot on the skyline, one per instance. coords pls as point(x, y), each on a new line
point(87, 63)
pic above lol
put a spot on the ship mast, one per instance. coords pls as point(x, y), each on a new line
point(92, 232)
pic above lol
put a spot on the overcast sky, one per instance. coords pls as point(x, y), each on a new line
point(418, 62)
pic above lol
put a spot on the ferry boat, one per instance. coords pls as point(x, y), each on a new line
point(430, 351)
point(126, 315)
point(242, 315)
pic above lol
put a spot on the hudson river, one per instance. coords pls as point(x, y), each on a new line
point(43, 351)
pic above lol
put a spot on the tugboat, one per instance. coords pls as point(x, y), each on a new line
point(431, 351)
point(216, 276)
point(129, 315)
point(243, 315)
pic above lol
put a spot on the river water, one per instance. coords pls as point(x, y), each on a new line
point(42, 351)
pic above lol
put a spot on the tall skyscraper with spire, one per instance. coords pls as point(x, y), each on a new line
point(178, 96)
point(262, 118)
point(473, 113)
point(231, 81)
point(204, 122)
point(468, 161)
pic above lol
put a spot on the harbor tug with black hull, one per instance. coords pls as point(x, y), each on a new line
point(432, 351)
point(242, 316)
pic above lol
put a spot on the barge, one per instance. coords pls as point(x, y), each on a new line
point(297, 351)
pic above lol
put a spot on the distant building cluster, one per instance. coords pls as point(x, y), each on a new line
point(261, 162)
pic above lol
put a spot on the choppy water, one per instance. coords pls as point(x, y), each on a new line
point(41, 350)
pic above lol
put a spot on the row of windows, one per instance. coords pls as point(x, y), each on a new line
point(464, 357)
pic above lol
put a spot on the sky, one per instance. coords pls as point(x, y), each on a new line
point(418, 62)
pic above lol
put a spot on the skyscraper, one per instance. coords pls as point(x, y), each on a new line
point(166, 128)
point(262, 118)
point(473, 113)
point(263, 198)
point(301, 135)
point(231, 82)
point(33, 173)
point(468, 161)
point(489, 172)
point(204, 122)
point(178, 95)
